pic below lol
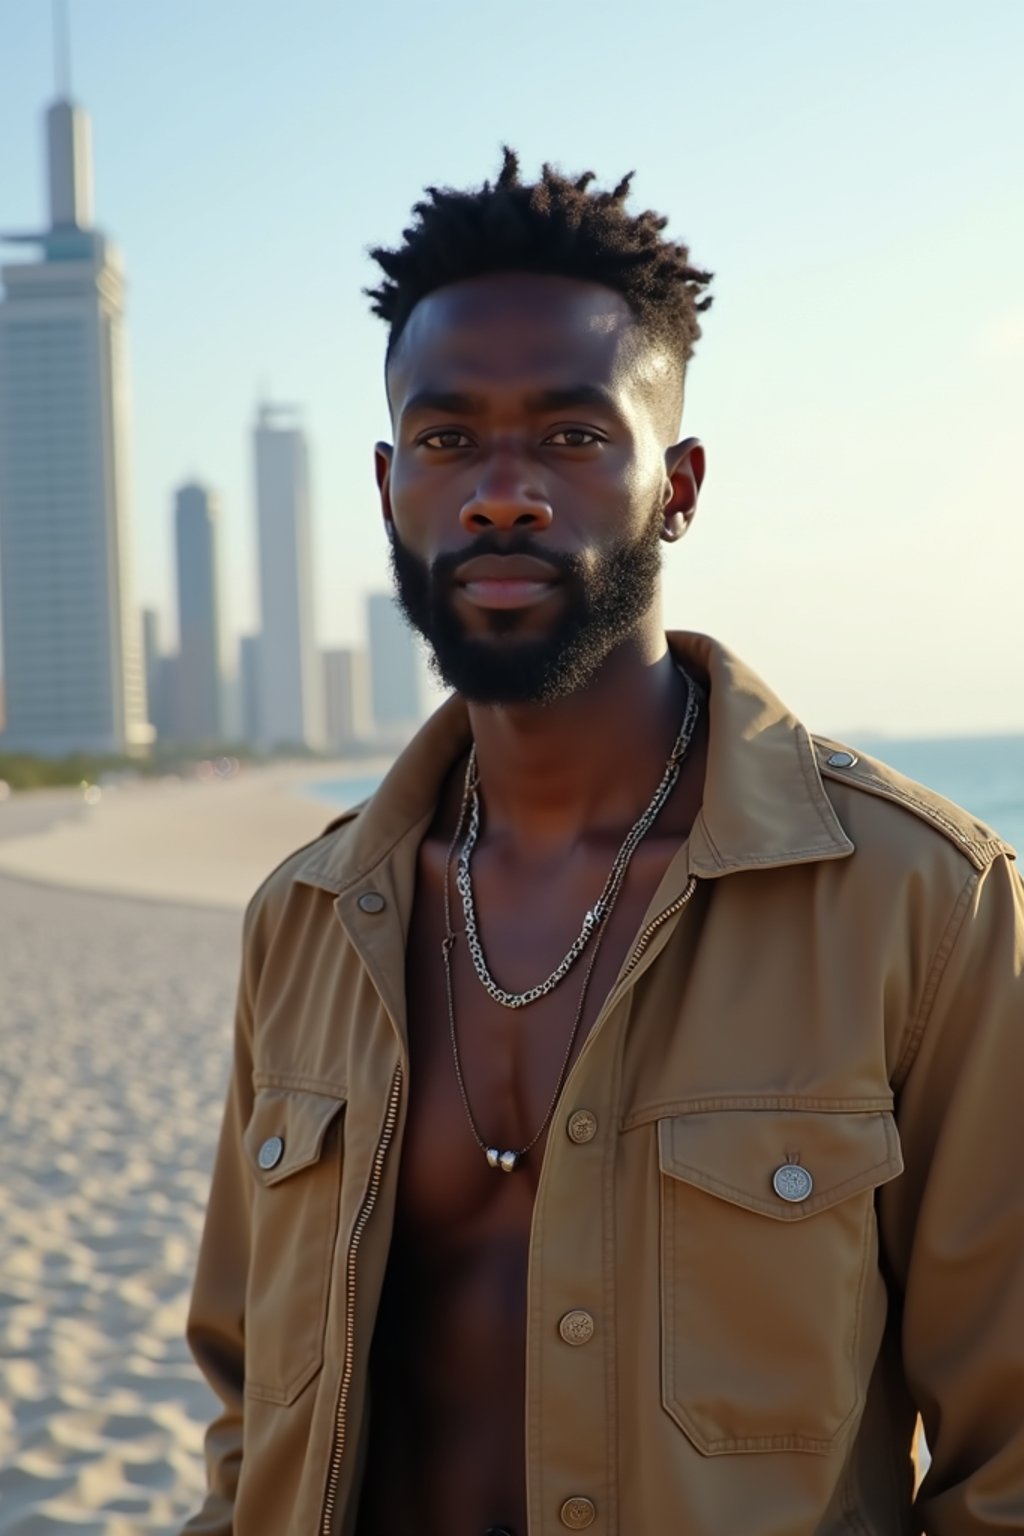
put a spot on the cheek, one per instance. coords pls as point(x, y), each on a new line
point(418, 484)
point(642, 482)
point(411, 490)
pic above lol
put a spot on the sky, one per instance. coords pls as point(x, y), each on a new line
point(850, 172)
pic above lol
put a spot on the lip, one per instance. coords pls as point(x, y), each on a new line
point(506, 581)
point(506, 594)
point(502, 569)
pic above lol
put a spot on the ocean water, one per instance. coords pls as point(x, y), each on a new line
point(984, 774)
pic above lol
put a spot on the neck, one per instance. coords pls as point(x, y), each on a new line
point(586, 764)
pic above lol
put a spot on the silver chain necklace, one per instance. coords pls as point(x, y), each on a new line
point(598, 913)
point(508, 1160)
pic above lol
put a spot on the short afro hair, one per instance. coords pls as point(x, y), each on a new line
point(555, 226)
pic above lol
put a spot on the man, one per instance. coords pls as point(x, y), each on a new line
point(624, 1133)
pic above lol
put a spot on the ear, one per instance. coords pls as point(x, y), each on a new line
point(382, 455)
point(684, 476)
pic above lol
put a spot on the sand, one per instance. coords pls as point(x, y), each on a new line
point(115, 1024)
point(207, 842)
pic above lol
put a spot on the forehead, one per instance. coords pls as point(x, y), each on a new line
point(508, 328)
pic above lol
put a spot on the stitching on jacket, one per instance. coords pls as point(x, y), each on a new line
point(611, 1258)
point(947, 944)
point(834, 1195)
point(710, 1105)
point(981, 853)
point(815, 788)
point(324, 1087)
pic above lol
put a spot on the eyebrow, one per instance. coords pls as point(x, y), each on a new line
point(448, 402)
point(558, 398)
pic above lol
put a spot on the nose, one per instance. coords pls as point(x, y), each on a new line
point(504, 499)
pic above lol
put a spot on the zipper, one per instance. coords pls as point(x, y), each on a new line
point(652, 927)
point(341, 1412)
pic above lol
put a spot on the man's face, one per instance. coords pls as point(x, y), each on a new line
point(526, 489)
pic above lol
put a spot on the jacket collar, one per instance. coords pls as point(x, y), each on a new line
point(764, 801)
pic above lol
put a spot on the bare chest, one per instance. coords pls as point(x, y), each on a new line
point(486, 1076)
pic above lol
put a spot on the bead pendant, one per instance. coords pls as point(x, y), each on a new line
point(506, 1161)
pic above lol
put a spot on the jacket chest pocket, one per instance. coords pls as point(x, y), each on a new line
point(293, 1143)
point(768, 1265)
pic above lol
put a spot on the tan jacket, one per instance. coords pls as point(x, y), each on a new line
point(829, 982)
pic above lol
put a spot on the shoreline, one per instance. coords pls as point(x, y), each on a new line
point(195, 843)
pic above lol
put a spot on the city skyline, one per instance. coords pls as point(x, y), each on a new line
point(84, 669)
point(859, 417)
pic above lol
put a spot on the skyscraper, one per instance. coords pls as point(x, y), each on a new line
point(394, 670)
point(161, 672)
point(200, 681)
point(151, 654)
point(70, 628)
point(347, 699)
point(250, 692)
point(291, 698)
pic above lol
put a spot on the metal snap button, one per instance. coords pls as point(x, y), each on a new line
point(271, 1153)
point(577, 1327)
point(792, 1183)
point(371, 902)
point(577, 1513)
point(842, 760)
point(581, 1126)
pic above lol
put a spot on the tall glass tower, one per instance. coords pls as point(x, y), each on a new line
point(71, 642)
point(291, 678)
point(200, 712)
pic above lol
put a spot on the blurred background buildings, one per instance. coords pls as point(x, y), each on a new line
point(83, 670)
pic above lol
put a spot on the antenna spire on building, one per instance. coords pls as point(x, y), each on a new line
point(62, 48)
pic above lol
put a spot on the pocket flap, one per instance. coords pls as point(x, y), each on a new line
point(748, 1156)
point(286, 1131)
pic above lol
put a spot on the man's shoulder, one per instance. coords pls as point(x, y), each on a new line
point(881, 800)
point(314, 864)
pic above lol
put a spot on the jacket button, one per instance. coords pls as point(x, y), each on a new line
point(271, 1153)
point(841, 760)
point(577, 1513)
point(581, 1126)
point(792, 1183)
point(577, 1327)
point(371, 902)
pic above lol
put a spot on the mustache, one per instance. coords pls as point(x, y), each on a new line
point(443, 567)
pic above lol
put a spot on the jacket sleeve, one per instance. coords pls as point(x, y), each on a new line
point(953, 1225)
point(216, 1320)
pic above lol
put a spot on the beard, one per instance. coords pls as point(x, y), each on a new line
point(603, 601)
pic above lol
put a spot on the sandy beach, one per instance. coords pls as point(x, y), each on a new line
point(115, 1021)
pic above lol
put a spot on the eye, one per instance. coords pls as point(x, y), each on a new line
point(447, 437)
point(573, 437)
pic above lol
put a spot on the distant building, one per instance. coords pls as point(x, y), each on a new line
point(150, 654)
point(395, 676)
point(347, 700)
point(199, 716)
point(291, 692)
point(70, 628)
point(159, 673)
point(249, 690)
point(164, 708)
